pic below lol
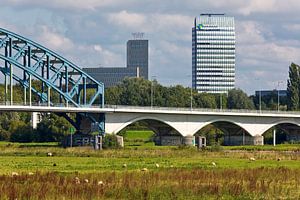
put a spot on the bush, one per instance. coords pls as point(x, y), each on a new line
point(110, 142)
point(22, 133)
point(4, 135)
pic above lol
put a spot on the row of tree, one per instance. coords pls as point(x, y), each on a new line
point(141, 92)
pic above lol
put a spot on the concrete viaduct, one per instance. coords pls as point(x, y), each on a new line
point(180, 121)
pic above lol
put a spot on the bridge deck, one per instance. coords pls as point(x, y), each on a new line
point(156, 110)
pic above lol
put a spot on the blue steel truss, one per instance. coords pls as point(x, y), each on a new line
point(55, 73)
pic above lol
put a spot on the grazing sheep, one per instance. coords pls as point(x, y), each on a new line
point(214, 164)
point(77, 180)
point(172, 166)
point(252, 159)
point(124, 165)
point(14, 174)
point(278, 159)
point(86, 180)
point(49, 154)
point(30, 173)
point(157, 165)
point(144, 169)
point(100, 183)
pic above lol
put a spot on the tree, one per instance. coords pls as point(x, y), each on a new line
point(237, 99)
point(52, 129)
point(293, 87)
point(21, 132)
point(205, 100)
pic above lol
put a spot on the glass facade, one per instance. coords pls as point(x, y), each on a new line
point(213, 53)
point(137, 65)
point(137, 56)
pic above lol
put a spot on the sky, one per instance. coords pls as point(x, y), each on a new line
point(93, 33)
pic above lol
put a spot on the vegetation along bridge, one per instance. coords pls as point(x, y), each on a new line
point(59, 86)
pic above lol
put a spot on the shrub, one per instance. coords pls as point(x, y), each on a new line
point(110, 142)
point(4, 135)
point(22, 133)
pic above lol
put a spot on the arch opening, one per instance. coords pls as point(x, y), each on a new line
point(284, 133)
point(150, 132)
point(224, 133)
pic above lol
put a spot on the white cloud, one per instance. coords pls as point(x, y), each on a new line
point(65, 4)
point(94, 32)
point(54, 40)
point(126, 19)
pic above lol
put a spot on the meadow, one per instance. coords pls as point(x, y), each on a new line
point(144, 171)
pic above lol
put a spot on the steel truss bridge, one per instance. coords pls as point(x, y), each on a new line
point(51, 83)
point(47, 78)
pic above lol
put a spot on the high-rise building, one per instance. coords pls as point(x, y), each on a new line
point(137, 56)
point(137, 65)
point(213, 53)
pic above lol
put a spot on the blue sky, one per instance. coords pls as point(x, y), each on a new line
point(93, 33)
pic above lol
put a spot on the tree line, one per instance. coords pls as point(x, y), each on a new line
point(141, 92)
point(16, 127)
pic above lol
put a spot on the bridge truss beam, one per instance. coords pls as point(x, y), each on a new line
point(53, 80)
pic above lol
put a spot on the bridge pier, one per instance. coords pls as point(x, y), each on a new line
point(189, 140)
point(236, 140)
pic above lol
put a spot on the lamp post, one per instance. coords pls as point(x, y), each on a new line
point(260, 100)
point(152, 90)
point(278, 100)
point(259, 93)
point(191, 98)
point(221, 98)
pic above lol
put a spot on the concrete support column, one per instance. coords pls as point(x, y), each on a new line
point(188, 140)
point(274, 137)
point(258, 140)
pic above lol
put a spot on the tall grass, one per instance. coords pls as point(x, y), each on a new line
point(259, 183)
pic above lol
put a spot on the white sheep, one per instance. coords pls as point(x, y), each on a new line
point(252, 159)
point(214, 164)
point(77, 180)
point(100, 183)
point(144, 169)
point(14, 174)
point(49, 154)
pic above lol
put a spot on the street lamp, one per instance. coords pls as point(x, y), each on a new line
point(278, 100)
point(191, 98)
point(152, 78)
point(259, 99)
point(221, 101)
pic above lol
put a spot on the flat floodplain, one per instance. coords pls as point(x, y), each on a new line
point(26, 172)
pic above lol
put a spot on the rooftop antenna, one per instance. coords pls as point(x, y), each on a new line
point(138, 35)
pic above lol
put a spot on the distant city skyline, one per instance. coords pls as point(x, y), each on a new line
point(90, 33)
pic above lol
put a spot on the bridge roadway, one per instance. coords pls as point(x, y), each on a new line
point(184, 121)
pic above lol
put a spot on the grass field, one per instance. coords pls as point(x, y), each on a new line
point(143, 171)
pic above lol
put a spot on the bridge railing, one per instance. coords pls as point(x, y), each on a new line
point(200, 109)
point(155, 108)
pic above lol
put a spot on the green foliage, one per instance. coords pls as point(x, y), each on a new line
point(21, 132)
point(52, 128)
point(293, 85)
point(205, 100)
point(110, 142)
point(237, 99)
